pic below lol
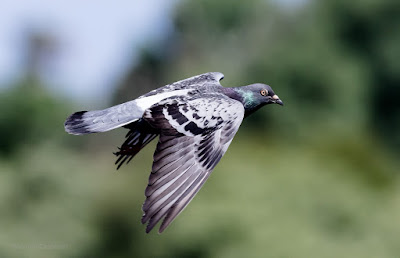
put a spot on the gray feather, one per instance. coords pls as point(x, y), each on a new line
point(85, 122)
point(187, 152)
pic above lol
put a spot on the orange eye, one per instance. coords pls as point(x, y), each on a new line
point(264, 92)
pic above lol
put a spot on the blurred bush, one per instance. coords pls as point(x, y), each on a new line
point(29, 115)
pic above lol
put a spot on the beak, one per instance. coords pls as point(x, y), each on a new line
point(277, 100)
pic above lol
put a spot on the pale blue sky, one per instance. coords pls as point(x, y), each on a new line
point(97, 39)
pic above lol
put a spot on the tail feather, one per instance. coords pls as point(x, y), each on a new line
point(85, 122)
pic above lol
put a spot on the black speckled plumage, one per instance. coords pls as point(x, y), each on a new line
point(195, 119)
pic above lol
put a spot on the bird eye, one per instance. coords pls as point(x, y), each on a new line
point(264, 92)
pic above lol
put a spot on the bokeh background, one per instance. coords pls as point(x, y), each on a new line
point(318, 177)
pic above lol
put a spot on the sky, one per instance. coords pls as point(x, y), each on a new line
point(97, 39)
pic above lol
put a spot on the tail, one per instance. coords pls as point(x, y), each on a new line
point(85, 122)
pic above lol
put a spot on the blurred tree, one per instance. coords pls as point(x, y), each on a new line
point(40, 49)
point(142, 78)
point(30, 114)
point(369, 31)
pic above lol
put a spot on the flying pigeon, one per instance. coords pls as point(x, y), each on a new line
point(196, 120)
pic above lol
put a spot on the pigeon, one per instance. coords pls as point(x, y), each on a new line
point(195, 119)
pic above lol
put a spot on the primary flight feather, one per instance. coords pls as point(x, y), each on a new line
point(195, 119)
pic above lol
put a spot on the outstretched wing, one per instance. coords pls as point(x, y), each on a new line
point(201, 80)
point(85, 122)
point(195, 134)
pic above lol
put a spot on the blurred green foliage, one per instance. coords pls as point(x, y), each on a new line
point(29, 115)
point(318, 177)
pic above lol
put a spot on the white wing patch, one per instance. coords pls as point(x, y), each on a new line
point(146, 102)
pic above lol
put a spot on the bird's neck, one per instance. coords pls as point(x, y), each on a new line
point(232, 93)
point(246, 97)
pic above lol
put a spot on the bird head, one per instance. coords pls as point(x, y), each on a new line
point(256, 95)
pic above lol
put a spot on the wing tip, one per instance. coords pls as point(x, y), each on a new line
point(218, 76)
point(151, 225)
point(163, 226)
